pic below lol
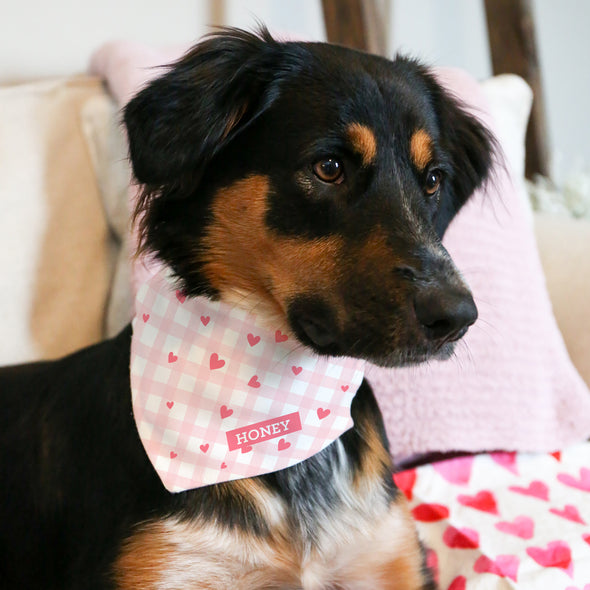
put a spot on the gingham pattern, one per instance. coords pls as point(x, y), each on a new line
point(201, 368)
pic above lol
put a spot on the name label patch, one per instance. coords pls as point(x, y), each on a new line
point(261, 431)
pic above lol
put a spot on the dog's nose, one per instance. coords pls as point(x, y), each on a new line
point(445, 314)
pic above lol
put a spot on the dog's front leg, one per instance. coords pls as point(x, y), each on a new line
point(390, 558)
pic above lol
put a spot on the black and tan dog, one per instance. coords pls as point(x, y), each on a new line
point(316, 182)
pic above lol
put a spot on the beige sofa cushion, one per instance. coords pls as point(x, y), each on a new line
point(564, 245)
point(55, 258)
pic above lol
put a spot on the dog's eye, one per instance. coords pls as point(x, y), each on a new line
point(329, 170)
point(433, 182)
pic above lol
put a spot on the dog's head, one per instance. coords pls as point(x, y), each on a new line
point(314, 183)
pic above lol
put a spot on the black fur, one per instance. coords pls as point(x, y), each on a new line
point(75, 479)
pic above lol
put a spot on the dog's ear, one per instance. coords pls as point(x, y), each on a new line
point(471, 147)
point(180, 121)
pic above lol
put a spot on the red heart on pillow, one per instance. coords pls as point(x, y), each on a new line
point(484, 501)
point(459, 583)
point(507, 460)
point(457, 471)
point(569, 512)
point(536, 489)
point(557, 554)
point(430, 512)
point(463, 538)
point(405, 481)
point(583, 483)
point(521, 526)
point(505, 566)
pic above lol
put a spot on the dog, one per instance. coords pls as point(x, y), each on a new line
point(309, 183)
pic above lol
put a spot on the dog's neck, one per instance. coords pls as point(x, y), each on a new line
point(218, 396)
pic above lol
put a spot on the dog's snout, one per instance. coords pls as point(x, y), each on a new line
point(445, 314)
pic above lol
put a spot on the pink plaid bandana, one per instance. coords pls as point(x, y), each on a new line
point(218, 396)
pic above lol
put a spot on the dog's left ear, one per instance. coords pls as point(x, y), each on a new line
point(180, 121)
point(471, 147)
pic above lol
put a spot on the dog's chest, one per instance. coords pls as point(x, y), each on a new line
point(305, 547)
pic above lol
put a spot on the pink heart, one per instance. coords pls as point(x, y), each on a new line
point(170, 405)
point(521, 526)
point(459, 583)
point(557, 455)
point(246, 449)
point(181, 296)
point(569, 512)
point(224, 465)
point(172, 358)
point(253, 340)
point(323, 413)
point(430, 512)
point(484, 501)
point(225, 412)
point(586, 538)
point(463, 538)
point(280, 337)
point(505, 566)
point(536, 489)
point(344, 388)
point(296, 370)
point(283, 445)
point(173, 455)
point(506, 460)
point(204, 448)
point(146, 317)
point(405, 481)
point(457, 471)
point(583, 483)
point(205, 319)
point(254, 382)
point(215, 362)
point(557, 554)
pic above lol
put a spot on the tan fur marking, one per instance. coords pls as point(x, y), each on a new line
point(142, 559)
point(380, 552)
point(374, 253)
point(376, 459)
point(390, 559)
point(363, 141)
point(178, 555)
point(421, 149)
point(243, 259)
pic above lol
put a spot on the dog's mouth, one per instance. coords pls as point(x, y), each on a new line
point(427, 327)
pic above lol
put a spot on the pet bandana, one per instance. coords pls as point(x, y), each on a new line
point(218, 395)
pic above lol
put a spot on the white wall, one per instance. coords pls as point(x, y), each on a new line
point(57, 37)
point(564, 46)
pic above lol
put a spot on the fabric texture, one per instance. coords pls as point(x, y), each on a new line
point(505, 520)
point(218, 395)
point(55, 255)
point(511, 384)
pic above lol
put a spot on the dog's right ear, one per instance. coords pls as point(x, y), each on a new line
point(180, 121)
